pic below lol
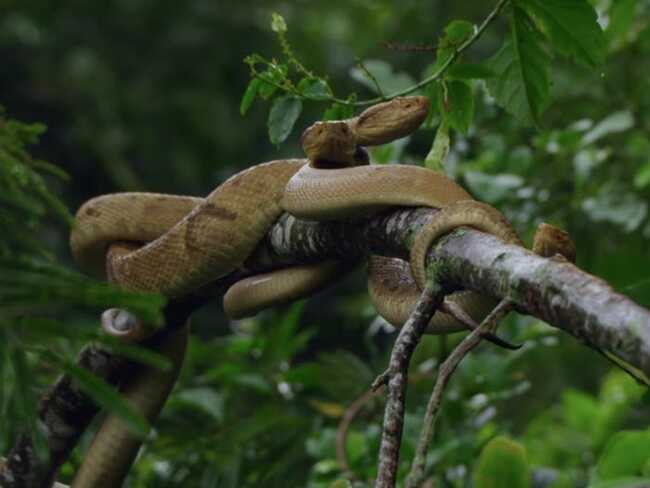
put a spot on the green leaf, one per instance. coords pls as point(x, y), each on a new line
point(249, 95)
point(502, 464)
point(623, 483)
point(624, 455)
point(284, 113)
point(571, 26)
point(616, 122)
point(204, 399)
point(338, 111)
point(341, 483)
point(621, 208)
point(492, 188)
point(455, 33)
point(109, 398)
point(315, 88)
point(521, 84)
point(581, 411)
point(642, 176)
point(621, 18)
point(457, 105)
point(470, 71)
point(278, 23)
point(435, 159)
point(390, 81)
point(274, 74)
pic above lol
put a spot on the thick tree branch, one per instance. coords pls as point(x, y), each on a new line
point(550, 289)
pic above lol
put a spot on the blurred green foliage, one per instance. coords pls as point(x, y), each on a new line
point(150, 96)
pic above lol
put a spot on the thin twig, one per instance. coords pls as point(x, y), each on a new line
point(372, 78)
point(489, 324)
point(371, 101)
point(412, 48)
point(397, 376)
point(342, 431)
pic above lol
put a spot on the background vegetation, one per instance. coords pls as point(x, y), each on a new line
point(142, 95)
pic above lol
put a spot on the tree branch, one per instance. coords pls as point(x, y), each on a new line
point(550, 289)
point(397, 378)
point(445, 371)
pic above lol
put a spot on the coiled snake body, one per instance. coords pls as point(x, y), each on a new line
point(186, 242)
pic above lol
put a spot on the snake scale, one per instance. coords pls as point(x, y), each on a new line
point(174, 244)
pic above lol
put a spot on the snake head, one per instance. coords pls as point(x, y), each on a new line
point(391, 120)
point(549, 241)
point(330, 144)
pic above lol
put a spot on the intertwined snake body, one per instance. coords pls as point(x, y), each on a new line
point(184, 242)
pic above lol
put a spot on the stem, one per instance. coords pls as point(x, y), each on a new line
point(342, 432)
point(371, 101)
point(447, 368)
point(397, 376)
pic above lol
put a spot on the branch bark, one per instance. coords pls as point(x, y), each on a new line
point(397, 378)
point(550, 289)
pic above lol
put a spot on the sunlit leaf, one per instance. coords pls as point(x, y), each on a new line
point(625, 455)
point(502, 464)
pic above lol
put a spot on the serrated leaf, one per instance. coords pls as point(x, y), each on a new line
point(521, 84)
point(109, 398)
point(502, 464)
point(284, 113)
point(571, 26)
point(470, 71)
point(458, 106)
point(249, 95)
point(625, 455)
point(315, 88)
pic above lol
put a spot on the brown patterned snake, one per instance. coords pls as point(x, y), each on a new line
point(186, 242)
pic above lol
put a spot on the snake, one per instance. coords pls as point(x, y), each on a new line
point(174, 244)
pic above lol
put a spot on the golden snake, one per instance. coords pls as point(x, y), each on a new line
point(185, 242)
